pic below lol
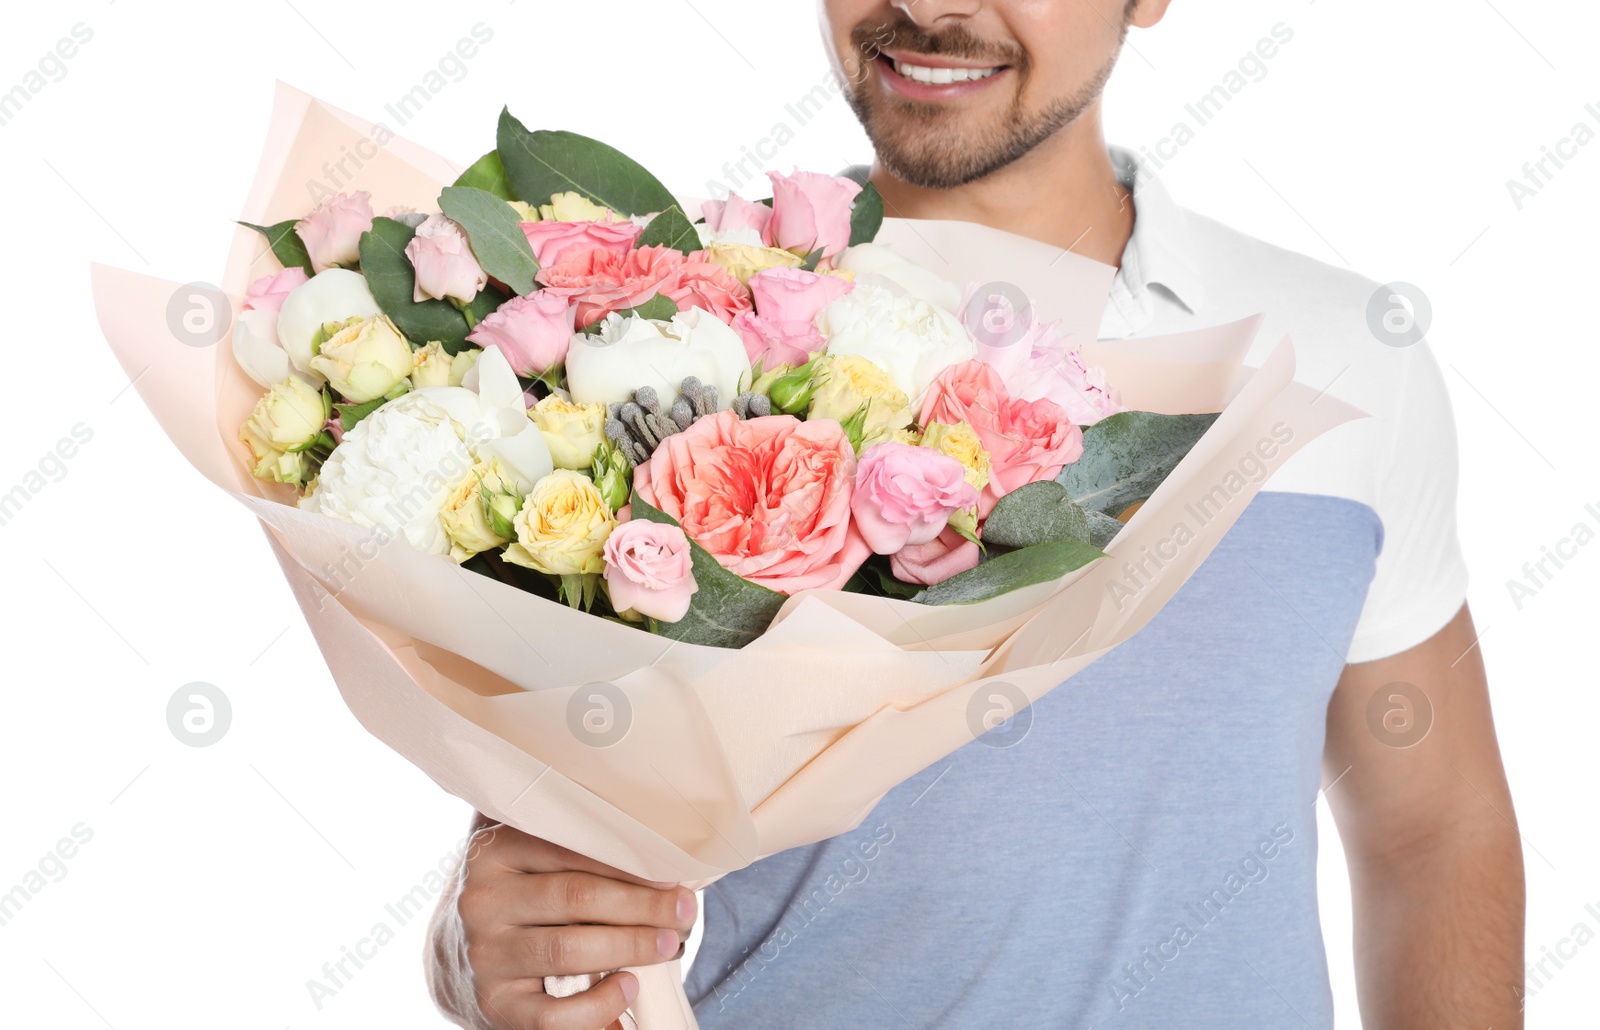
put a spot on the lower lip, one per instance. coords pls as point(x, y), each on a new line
point(934, 91)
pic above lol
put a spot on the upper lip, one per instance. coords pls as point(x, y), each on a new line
point(932, 61)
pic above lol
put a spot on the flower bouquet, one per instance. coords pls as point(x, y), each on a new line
point(590, 492)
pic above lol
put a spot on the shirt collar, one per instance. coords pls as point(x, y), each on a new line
point(1161, 251)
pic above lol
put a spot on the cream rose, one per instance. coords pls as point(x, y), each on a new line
point(741, 260)
point(431, 366)
point(572, 431)
point(478, 513)
point(562, 527)
point(332, 296)
point(288, 417)
point(366, 360)
point(573, 207)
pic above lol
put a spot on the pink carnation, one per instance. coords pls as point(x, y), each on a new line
point(1027, 441)
point(650, 569)
point(905, 495)
point(768, 497)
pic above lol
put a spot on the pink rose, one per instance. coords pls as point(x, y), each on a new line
point(811, 211)
point(332, 233)
point(532, 332)
point(772, 342)
point(555, 242)
point(905, 495)
point(735, 213)
point(769, 497)
point(445, 264)
point(603, 281)
point(1027, 441)
point(793, 294)
point(267, 292)
point(946, 555)
point(1042, 366)
point(650, 570)
point(711, 287)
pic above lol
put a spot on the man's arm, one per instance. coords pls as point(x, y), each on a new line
point(1430, 838)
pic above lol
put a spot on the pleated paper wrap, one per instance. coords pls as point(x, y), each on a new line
point(728, 755)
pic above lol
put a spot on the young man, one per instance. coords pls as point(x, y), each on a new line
point(1145, 854)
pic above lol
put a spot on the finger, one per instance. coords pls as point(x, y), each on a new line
point(517, 952)
point(560, 899)
point(517, 851)
point(523, 1005)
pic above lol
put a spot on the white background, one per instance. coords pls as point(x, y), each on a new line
point(220, 879)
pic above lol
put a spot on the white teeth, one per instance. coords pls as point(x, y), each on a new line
point(942, 76)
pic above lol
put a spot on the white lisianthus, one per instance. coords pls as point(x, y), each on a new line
point(399, 466)
point(336, 295)
point(630, 352)
point(910, 339)
point(877, 264)
point(366, 360)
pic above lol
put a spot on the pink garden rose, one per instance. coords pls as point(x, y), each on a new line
point(603, 281)
point(905, 495)
point(267, 292)
point(769, 497)
point(711, 287)
point(772, 342)
point(532, 332)
point(332, 233)
point(811, 211)
point(735, 213)
point(555, 242)
point(649, 569)
point(946, 555)
point(446, 267)
point(793, 294)
point(1027, 440)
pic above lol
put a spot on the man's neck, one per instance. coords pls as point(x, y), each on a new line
point(1065, 192)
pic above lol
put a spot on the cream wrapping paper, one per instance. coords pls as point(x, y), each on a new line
point(728, 755)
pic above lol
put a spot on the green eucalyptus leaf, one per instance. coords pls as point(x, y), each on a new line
point(727, 610)
point(1011, 571)
point(540, 164)
point(1102, 529)
point(866, 217)
point(495, 233)
point(488, 174)
point(1037, 513)
point(1128, 455)
point(392, 280)
point(286, 244)
point(671, 228)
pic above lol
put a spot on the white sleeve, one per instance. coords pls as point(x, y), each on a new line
point(1421, 578)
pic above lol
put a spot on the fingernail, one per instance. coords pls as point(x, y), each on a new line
point(686, 907)
point(630, 989)
point(666, 942)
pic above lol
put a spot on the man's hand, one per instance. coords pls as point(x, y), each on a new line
point(1416, 786)
point(528, 909)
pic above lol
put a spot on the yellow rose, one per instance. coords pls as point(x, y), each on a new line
point(432, 366)
point(909, 436)
point(290, 467)
point(572, 431)
point(741, 260)
point(478, 514)
point(366, 360)
point(562, 527)
point(845, 382)
point(573, 207)
point(960, 442)
point(526, 212)
point(288, 417)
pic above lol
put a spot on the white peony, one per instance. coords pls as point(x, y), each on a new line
point(335, 295)
point(256, 349)
point(910, 339)
point(630, 352)
point(398, 467)
point(877, 264)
